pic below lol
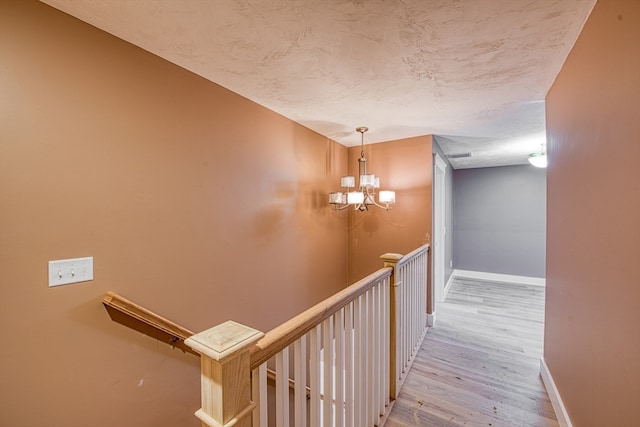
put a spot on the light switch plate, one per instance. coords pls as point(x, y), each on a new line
point(65, 271)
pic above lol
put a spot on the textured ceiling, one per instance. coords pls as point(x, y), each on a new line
point(472, 72)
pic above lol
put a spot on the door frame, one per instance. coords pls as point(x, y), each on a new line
point(439, 230)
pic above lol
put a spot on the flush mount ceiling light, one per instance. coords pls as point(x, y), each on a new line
point(364, 196)
point(539, 159)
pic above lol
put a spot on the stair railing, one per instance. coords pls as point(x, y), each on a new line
point(344, 359)
point(347, 356)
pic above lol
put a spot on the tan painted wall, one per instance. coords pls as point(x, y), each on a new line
point(592, 329)
point(193, 201)
point(406, 167)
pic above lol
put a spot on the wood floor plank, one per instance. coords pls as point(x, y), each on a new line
point(479, 366)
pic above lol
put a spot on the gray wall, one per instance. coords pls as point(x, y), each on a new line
point(499, 220)
point(448, 220)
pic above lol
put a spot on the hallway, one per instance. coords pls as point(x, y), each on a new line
point(479, 366)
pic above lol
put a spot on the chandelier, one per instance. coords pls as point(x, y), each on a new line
point(364, 196)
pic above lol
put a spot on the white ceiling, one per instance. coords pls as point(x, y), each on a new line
point(472, 72)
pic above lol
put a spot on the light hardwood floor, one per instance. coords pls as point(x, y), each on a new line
point(479, 366)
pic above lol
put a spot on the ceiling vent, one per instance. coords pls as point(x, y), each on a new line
point(458, 155)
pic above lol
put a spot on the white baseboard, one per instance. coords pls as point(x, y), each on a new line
point(431, 319)
point(525, 280)
point(554, 396)
point(448, 286)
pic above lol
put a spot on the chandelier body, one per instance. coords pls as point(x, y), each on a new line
point(364, 196)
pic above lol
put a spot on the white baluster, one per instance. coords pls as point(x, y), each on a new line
point(300, 377)
point(327, 383)
point(375, 376)
point(282, 388)
point(339, 368)
point(370, 374)
point(359, 369)
point(259, 395)
point(314, 375)
point(385, 343)
point(349, 359)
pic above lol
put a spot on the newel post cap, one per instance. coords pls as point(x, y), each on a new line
point(391, 257)
point(224, 341)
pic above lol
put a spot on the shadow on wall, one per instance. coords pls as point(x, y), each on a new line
point(286, 201)
point(274, 216)
point(397, 218)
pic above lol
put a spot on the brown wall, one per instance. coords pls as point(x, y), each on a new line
point(193, 201)
point(406, 167)
point(592, 324)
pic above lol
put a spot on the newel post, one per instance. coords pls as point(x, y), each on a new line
point(391, 260)
point(226, 374)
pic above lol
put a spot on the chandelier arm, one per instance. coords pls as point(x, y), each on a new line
point(341, 207)
point(372, 200)
point(387, 207)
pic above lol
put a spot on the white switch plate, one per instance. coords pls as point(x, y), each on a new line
point(65, 271)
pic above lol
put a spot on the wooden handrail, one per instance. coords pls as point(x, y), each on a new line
point(132, 309)
point(408, 257)
point(274, 340)
point(286, 333)
point(158, 322)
